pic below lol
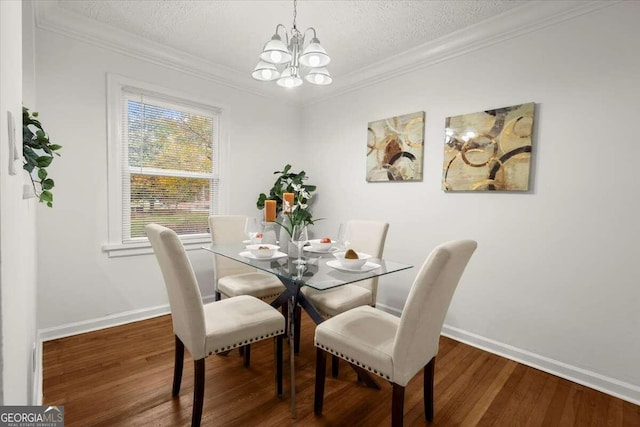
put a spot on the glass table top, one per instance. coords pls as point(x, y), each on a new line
point(316, 273)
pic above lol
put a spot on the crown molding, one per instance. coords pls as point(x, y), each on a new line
point(530, 17)
point(50, 16)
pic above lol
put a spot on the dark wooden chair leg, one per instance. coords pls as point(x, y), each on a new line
point(321, 368)
point(247, 355)
point(217, 296)
point(198, 392)
point(335, 366)
point(177, 367)
point(278, 343)
point(296, 337)
point(429, 370)
point(397, 406)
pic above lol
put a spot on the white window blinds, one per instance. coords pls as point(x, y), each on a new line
point(169, 165)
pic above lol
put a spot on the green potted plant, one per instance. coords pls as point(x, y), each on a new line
point(37, 153)
point(291, 182)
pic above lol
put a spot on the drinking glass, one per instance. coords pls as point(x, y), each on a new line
point(342, 237)
point(253, 230)
point(299, 237)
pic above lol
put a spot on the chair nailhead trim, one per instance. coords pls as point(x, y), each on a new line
point(245, 342)
point(357, 363)
point(266, 298)
point(269, 298)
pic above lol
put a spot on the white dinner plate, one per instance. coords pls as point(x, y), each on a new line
point(368, 266)
point(277, 255)
point(248, 242)
point(317, 251)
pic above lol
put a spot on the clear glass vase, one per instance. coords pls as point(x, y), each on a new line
point(269, 233)
point(284, 239)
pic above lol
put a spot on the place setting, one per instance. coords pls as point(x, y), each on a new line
point(352, 261)
point(262, 252)
point(321, 246)
point(326, 245)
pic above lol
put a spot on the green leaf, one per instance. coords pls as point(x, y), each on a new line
point(29, 154)
point(27, 135)
point(261, 198)
point(47, 184)
point(44, 161)
point(55, 147)
point(46, 196)
point(42, 174)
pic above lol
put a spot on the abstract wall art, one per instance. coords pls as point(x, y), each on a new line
point(489, 150)
point(395, 148)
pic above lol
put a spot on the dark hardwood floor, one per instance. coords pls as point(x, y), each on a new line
point(122, 376)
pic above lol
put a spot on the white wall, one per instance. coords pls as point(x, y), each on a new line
point(554, 281)
point(79, 283)
point(17, 219)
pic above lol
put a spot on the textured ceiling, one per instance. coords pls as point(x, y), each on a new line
point(356, 34)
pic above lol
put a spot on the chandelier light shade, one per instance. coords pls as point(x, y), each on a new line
point(314, 55)
point(289, 78)
point(265, 72)
point(275, 51)
point(319, 76)
point(288, 62)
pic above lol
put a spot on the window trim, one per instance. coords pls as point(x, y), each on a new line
point(116, 84)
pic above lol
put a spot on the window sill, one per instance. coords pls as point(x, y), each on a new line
point(115, 250)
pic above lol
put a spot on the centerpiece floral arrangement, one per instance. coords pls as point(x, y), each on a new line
point(290, 182)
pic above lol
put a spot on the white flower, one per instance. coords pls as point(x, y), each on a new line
point(296, 187)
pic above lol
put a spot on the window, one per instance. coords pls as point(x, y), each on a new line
point(164, 168)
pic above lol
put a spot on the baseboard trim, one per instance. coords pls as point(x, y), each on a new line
point(608, 385)
point(90, 325)
point(36, 390)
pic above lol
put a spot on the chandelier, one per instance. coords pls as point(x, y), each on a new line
point(287, 62)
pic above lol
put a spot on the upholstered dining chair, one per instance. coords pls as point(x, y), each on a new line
point(206, 329)
point(364, 236)
point(233, 278)
point(396, 349)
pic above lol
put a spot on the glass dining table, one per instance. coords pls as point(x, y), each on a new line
point(318, 272)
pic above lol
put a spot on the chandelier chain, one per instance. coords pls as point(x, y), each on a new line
point(295, 14)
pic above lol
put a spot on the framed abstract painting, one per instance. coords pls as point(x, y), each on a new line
point(395, 148)
point(489, 150)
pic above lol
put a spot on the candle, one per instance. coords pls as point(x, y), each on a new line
point(269, 210)
point(288, 202)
